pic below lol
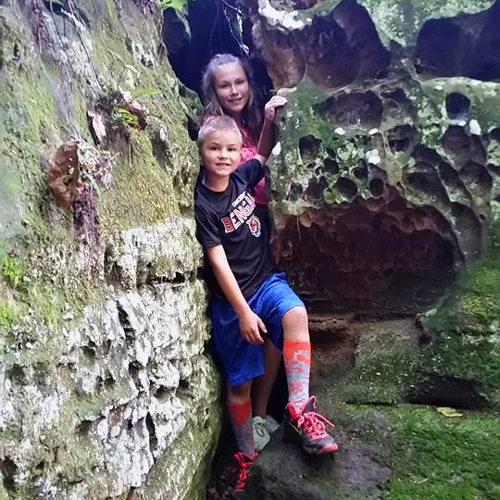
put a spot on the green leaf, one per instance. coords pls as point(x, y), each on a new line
point(173, 4)
point(449, 412)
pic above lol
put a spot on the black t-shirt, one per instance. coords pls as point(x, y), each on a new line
point(228, 218)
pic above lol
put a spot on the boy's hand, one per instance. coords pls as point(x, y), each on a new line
point(251, 326)
point(274, 103)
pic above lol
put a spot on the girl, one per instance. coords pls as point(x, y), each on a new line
point(227, 90)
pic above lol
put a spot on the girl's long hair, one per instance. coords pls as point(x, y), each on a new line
point(251, 116)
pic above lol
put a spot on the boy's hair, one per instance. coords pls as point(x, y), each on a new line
point(218, 124)
point(251, 115)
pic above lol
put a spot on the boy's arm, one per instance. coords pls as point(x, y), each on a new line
point(266, 139)
point(250, 324)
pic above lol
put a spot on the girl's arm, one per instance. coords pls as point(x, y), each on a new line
point(250, 324)
point(266, 139)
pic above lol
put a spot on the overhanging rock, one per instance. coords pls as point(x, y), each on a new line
point(388, 160)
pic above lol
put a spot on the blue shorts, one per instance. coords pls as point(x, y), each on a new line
point(241, 361)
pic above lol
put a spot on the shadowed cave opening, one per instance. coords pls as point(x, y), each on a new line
point(381, 257)
point(464, 45)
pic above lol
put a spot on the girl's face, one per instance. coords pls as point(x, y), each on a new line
point(232, 88)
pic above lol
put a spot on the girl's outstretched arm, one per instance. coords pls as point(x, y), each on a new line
point(266, 139)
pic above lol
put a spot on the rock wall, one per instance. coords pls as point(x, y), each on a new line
point(105, 388)
point(388, 161)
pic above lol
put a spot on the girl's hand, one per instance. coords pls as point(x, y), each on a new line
point(251, 326)
point(270, 108)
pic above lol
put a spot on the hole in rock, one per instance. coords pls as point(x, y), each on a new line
point(457, 105)
point(125, 323)
point(476, 178)
point(428, 183)
point(343, 46)
point(134, 369)
point(361, 171)
point(331, 166)
point(350, 109)
point(495, 134)
point(464, 45)
point(17, 375)
point(55, 7)
point(315, 189)
point(209, 29)
point(295, 192)
point(463, 147)
point(401, 138)
point(347, 188)
point(446, 390)
point(83, 428)
point(309, 147)
point(162, 394)
point(8, 468)
point(376, 187)
point(153, 440)
point(382, 258)
point(494, 169)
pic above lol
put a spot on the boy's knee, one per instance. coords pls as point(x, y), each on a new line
point(240, 393)
point(296, 315)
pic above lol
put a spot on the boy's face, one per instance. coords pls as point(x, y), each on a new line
point(220, 152)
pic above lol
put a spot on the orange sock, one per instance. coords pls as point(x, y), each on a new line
point(297, 357)
point(240, 416)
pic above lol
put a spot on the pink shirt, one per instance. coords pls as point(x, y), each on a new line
point(249, 150)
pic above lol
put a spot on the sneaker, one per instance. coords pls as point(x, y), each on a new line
point(243, 464)
point(308, 427)
point(261, 435)
point(271, 424)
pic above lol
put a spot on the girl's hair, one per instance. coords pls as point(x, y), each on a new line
point(251, 115)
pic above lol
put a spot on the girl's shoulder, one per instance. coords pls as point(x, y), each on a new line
point(249, 147)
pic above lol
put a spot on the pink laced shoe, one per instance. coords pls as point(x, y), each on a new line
point(243, 464)
point(308, 427)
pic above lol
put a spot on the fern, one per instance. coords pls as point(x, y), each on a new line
point(125, 116)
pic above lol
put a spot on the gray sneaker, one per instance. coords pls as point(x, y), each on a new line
point(261, 435)
point(271, 424)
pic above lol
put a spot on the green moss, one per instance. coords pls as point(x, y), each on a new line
point(11, 270)
point(440, 458)
point(141, 191)
point(472, 305)
point(386, 363)
point(7, 315)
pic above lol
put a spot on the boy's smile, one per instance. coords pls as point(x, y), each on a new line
point(220, 155)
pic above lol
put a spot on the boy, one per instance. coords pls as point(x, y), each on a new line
point(250, 300)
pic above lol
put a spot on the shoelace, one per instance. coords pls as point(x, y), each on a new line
point(244, 464)
point(314, 423)
point(260, 429)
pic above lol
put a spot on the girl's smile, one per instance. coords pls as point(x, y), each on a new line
point(232, 88)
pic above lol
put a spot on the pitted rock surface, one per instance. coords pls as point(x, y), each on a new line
point(387, 166)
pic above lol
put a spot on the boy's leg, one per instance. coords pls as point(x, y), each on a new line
point(240, 415)
point(302, 422)
point(263, 386)
point(297, 355)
